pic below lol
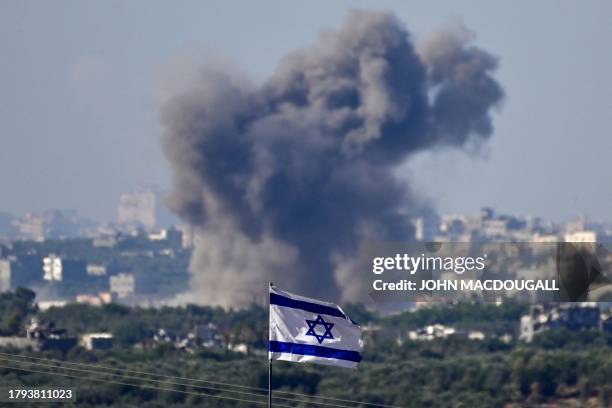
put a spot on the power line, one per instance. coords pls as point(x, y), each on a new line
point(143, 386)
point(103, 367)
point(123, 376)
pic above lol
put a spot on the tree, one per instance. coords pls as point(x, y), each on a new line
point(14, 309)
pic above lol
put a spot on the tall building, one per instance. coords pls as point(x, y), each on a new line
point(425, 228)
point(137, 209)
point(66, 223)
point(5, 275)
point(52, 268)
point(8, 229)
point(188, 235)
point(577, 225)
point(32, 227)
point(122, 284)
point(52, 224)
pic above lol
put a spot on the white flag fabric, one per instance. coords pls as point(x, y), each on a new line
point(306, 330)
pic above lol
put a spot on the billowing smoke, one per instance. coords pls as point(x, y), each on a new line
point(285, 180)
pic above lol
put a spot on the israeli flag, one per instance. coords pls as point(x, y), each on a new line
point(306, 330)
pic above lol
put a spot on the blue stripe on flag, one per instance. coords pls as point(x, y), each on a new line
point(317, 351)
point(276, 299)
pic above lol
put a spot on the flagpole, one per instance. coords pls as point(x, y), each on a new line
point(270, 383)
point(269, 357)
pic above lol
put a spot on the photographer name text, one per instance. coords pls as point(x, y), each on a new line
point(467, 285)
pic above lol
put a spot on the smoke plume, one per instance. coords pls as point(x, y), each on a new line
point(285, 180)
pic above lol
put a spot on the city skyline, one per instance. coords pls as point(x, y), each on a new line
point(82, 122)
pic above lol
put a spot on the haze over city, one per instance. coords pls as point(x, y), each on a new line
point(82, 124)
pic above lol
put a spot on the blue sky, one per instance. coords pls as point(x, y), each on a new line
point(81, 82)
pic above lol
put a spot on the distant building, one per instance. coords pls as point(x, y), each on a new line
point(581, 236)
point(66, 223)
point(570, 316)
point(106, 297)
point(21, 343)
point(5, 275)
point(91, 300)
point(137, 209)
point(487, 213)
point(104, 241)
point(241, 348)
point(494, 228)
point(207, 335)
point(52, 268)
point(545, 239)
point(95, 300)
point(96, 270)
point(171, 236)
point(54, 224)
point(577, 225)
point(425, 228)
point(122, 284)
point(97, 341)
point(162, 336)
point(8, 229)
point(476, 335)
point(453, 225)
point(160, 235)
point(431, 332)
point(31, 227)
point(48, 337)
point(187, 235)
point(58, 269)
point(44, 305)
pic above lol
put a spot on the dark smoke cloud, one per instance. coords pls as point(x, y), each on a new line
point(287, 179)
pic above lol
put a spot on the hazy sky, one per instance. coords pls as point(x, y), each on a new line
point(81, 81)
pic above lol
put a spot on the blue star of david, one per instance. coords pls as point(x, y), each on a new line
point(312, 324)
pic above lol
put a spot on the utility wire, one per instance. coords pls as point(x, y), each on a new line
point(102, 367)
point(122, 376)
point(203, 381)
point(129, 377)
point(142, 386)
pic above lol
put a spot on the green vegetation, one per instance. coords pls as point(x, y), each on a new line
point(573, 368)
point(14, 308)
